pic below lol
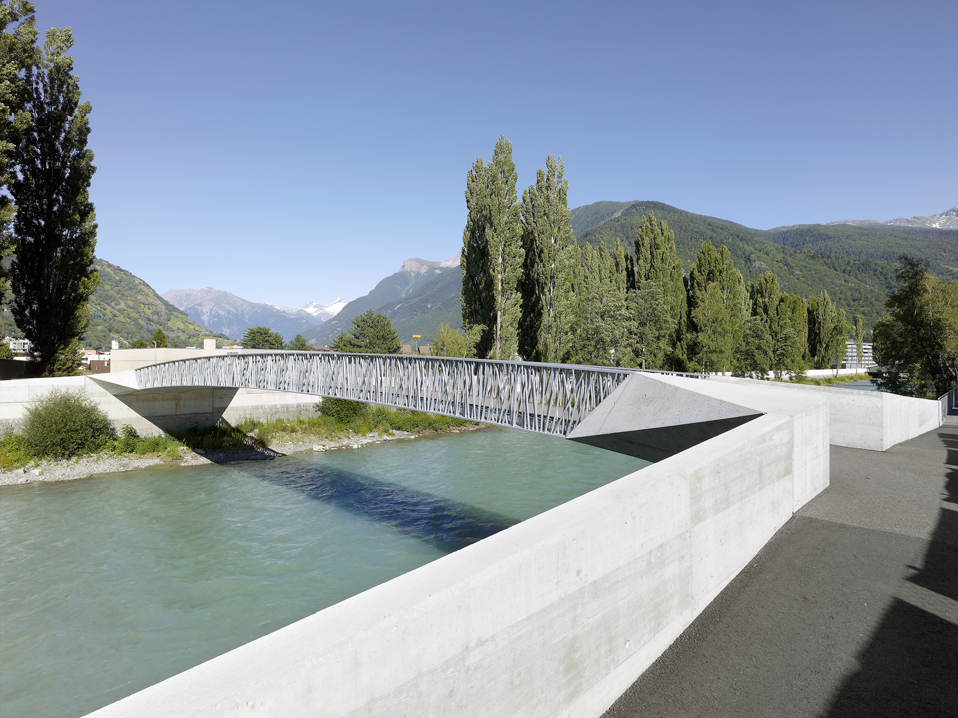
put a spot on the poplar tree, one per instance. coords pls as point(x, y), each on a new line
point(55, 232)
point(659, 301)
point(604, 322)
point(827, 331)
point(492, 254)
point(17, 50)
point(549, 247)
point(715, 267)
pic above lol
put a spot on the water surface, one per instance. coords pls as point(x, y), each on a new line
point(111, 584)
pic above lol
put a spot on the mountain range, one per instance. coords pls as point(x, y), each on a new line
point(854, 261)
point(224, 312)
point(945, 220)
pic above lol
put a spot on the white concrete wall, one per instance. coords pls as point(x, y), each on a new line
point(151, 412)
point(864, 419)
point(556, 616)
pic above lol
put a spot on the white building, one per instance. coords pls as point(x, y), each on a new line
point(851, 356)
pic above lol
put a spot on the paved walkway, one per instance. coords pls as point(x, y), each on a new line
point(850, 610)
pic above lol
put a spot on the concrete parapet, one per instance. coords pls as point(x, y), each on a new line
point(555, 616)
point(863, 419)
point(151, 412)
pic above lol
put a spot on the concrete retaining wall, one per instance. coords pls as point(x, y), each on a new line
point(152, 412)
point(864, 419)
point(556, 616)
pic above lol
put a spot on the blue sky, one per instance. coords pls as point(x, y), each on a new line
point(291, 151)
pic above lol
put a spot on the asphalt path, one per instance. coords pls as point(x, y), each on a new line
point(850, 610)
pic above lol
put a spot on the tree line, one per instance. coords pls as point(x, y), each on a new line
point(530, 291)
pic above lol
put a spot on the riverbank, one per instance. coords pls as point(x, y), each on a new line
point(109, 463)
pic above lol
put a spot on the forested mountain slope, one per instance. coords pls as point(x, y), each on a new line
point(857, 278)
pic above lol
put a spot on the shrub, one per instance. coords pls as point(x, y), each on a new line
point(65, 424)
point(343, 410)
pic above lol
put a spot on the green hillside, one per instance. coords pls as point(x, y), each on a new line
point(434, 303)
point(124, 307)
point(883, 243)
point(859, 284)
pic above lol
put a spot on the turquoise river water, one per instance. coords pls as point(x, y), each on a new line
point(113, 583)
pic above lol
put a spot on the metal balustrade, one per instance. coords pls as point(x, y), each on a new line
point(544, 398)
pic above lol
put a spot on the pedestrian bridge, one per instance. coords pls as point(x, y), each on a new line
point(622, 410)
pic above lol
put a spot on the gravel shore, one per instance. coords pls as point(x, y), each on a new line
point(85, 466)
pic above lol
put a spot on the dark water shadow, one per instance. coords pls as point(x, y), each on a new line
point(442, 522)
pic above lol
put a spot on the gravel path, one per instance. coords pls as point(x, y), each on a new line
point(85, 466)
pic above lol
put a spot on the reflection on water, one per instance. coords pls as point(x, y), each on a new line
point(111, 584)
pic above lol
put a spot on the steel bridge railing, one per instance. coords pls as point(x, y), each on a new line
point(544, 398)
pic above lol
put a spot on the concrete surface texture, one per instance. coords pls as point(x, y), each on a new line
point(556, 616)
point(154, 411)
point(863, 419)
point(850, 610)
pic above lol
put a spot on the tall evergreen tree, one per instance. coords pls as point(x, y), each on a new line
point(17, 50)
point(492, 254)
point(548, 244)
point(371, 333)
point(262, 338)
point(55, 232)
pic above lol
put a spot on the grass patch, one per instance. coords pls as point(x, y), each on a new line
point(827, 380)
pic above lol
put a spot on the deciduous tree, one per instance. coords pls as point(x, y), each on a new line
point(492, 254)
point(17, 50)
point(917, 341)
point(54, 228)
point(548, 308)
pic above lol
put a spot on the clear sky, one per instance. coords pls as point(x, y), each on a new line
point(299, 151)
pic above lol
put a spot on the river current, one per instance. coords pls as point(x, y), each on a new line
point(113, 583)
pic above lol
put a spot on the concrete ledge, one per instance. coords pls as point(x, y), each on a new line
point(863, 419)
point(152, 412)
point(553, 617)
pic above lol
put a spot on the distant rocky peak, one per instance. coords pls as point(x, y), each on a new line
point(421, 266)
point(946, 220)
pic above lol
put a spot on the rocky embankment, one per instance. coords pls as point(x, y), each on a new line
point(85, 466)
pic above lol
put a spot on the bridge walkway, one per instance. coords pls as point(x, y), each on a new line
point(850, 610)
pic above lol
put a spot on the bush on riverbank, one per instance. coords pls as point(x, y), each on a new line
point(247, 435)
point(65, 424)
point(828, 380)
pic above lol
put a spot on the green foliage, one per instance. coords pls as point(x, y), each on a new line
point(124, 307)
point(548, 243)
point(158, 339)
point(55, 229)
point(343, 411)
point(299, 344)
point(65, 424)
point(858, 283)
point(603, 326)
point(13, 452)
point(450, 343)
point(17, 51)
point(262, 338)
point(139, 343)
point(5, 351)
point(917, 341)
point(371, 333)
point(492, 254)
point(654, 273)
point(718, 308)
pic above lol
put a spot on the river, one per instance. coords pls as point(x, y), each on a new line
point(113, 583)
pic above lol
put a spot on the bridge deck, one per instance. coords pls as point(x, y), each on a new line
point(850, 610)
